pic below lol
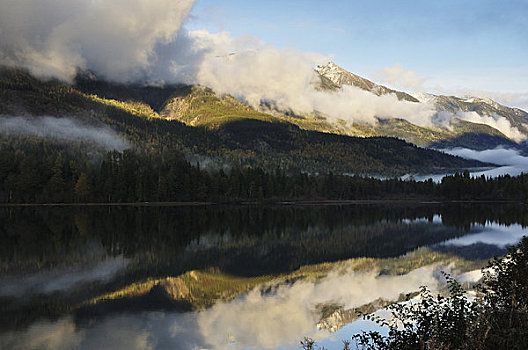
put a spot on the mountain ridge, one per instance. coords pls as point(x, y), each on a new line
point(459, 111)
point(339, 77)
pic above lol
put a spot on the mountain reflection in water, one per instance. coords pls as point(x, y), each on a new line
point(57, 261)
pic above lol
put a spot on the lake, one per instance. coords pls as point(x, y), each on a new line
point(229, 277)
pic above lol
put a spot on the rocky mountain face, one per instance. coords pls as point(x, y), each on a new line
point(471, 122)
point(334, 77)
point(482, 106)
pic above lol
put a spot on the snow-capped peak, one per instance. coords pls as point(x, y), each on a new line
point(424, 97)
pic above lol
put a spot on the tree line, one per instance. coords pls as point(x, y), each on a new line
point(46, 172)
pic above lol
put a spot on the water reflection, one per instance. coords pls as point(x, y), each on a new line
point(56, 262)
point(490, 234)
point(61, 279)
point(254, 320)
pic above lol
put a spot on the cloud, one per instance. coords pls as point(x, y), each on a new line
point(355, 105)
point(499, 155)
point(254, 72)
point(63, 129)
point(492, 234)
point(52, 38)
point(61, 280)
point(495, 121)
point(401, 78)
point(511, 161)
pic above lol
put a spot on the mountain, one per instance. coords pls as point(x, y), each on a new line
point(215, 130)
point(478, 131)
point(482, 106)
point(334, 77)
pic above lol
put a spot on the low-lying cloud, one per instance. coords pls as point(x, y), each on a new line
point(511, 162)
point(499, 155)
point(63, 129)
point(256, 73)
point(495, 121)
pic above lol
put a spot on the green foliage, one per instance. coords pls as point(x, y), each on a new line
point(497, 319)
point(40, 171)
point(505, 289)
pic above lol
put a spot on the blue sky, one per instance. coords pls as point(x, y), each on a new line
point(453, 45)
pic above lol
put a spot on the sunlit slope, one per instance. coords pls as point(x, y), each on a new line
point(203, 124)
point(202, 107)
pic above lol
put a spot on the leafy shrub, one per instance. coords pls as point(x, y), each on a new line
point(496, 319)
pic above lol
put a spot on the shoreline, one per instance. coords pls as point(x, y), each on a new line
point(263, 203)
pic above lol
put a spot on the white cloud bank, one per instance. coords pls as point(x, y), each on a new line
point(499, 156)
point(495, 121)
point(52, 38)
point(511, 162)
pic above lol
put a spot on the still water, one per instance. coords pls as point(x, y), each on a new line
point(229, 277)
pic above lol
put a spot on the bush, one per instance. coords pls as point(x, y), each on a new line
point(496, 319)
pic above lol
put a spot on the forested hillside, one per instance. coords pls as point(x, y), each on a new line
point(227, 133)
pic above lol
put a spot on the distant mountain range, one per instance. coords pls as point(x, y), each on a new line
point(456, 130)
